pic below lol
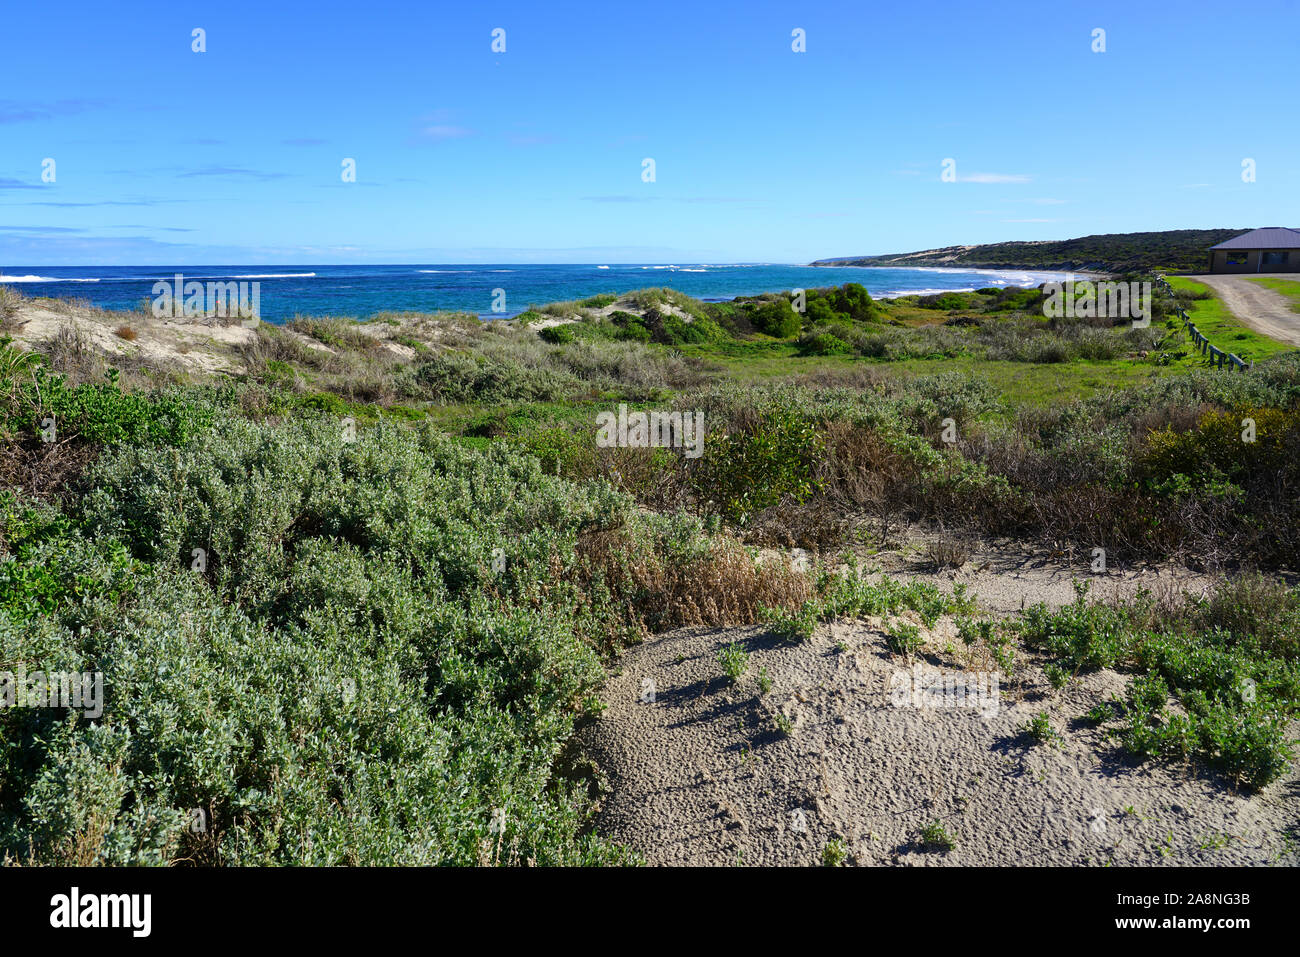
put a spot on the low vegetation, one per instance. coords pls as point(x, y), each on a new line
point(352, 597)
point(1216, 678)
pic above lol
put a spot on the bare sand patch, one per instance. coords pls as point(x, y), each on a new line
point(200, 345)
point(702, 774)
point(1009, 576)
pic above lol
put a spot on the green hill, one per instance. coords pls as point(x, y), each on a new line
point(1184, 250)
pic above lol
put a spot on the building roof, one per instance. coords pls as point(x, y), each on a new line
point(1269, 237)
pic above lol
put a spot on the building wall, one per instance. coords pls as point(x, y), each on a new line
point(1219, 262)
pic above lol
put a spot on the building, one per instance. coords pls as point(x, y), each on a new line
point(1271, 249)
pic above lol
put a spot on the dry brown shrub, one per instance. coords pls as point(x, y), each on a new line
point(10, 300)
point(640, 473)
point(1179, 418)
point(948, 551)
point(71, 353)
point(859, 469)
point(721, 588)
point(814, 524)
point(42, 469)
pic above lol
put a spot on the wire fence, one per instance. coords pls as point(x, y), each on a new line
point(1218, 358)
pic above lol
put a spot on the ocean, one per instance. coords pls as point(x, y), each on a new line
point(361, 291)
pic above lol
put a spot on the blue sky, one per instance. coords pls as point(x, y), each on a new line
point(167, 156)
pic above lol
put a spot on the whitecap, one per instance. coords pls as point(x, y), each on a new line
point(273, 275)
point(42, 279)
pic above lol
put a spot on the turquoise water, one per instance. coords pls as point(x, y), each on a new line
point(360, 291)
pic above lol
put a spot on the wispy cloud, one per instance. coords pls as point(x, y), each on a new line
point(12, 111)
point(992, 178)
point(89, 250)
point(17, 184)
point(530, 139)
point(103, 202)
point(437, 132)
point(41, 230)
point(631, 198)
point(620, 199)
point(166, 229)
point(232, 171)
point(438, 127)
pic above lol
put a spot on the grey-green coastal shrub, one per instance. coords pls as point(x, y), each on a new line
point(455, 377)
point(379, 661)
point(305, 745)
point(248, 494)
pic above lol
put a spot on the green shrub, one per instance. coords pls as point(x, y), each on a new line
point(744, 471)
point(947, 300)
point(52, 570)
point(822, 344)
point(795, 626)
point(376, 655)
point(629, 327)
point(935, 835)
point(558, 335)
point(835, 853)
point(853, 300)
point(775, 318)
point(734, 661)
point(455, 377)
point(904, 638)
point(338, 685)
point(1039, 730)
point(102, 413)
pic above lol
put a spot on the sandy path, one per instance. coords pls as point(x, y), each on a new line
point(1258, 306)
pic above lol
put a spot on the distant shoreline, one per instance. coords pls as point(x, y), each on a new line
point(991, 270)
point(491, 291)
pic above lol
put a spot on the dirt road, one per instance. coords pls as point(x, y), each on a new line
point(1258, 306)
